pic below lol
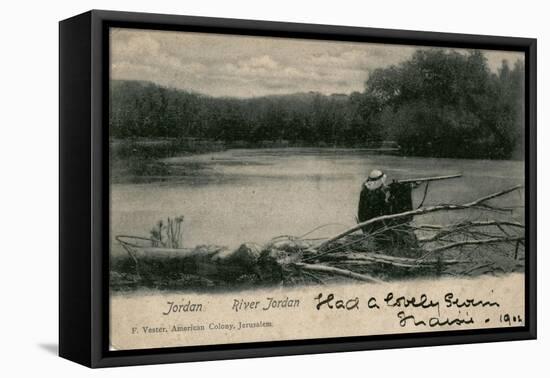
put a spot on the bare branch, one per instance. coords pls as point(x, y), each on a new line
point(478, 267)
point(337, 272)
point(403, 262)
point(420, 211)
point(472, 242)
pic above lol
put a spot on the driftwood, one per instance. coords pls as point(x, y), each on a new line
point(212, 262)
point(472, 242)
point(404, 262)
point(348, 255)
point(453, 228)
point(337, 271)
point(479, 203)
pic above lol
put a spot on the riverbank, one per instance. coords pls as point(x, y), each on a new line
point(262, 193)
point(139, 160)
point(147, 160)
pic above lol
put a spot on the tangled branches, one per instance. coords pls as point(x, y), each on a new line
point(396, 250)
point(443, 249)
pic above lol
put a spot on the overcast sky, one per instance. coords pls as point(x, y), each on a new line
point(242, 66)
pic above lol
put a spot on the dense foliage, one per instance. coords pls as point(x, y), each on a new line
point(438, 103)
point(443, 103)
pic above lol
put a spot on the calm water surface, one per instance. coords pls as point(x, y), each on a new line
point(241, 196)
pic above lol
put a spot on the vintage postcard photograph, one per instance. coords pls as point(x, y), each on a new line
point(266, 189)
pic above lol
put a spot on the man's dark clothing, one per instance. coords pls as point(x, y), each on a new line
point(372, 204)
point(400, 201)
point(393, 199)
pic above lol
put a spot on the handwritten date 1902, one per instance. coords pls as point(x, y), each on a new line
point(510, 319)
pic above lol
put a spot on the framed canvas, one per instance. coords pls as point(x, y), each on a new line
point(234, 188)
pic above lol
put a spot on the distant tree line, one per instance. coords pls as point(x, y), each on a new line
point(439, 103)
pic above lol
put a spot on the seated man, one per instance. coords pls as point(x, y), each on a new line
point(379, 199)
point(373, 200)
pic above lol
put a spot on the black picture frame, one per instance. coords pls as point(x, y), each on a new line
point(84, 188)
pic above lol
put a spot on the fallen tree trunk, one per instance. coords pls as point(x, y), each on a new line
point(294, 260)
point(403, 262)
point(337, 272)
point(420, 211)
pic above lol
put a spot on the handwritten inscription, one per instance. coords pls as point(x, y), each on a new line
point(450, 300)
point(332, 310)
point(416, 310)
point(405, 320)
point(470, 302)
point(419, 310)
point(403, 301)
point(333, 303)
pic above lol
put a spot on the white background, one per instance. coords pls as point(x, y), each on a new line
point(29, 185)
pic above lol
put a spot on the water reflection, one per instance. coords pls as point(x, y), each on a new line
point(237, 196)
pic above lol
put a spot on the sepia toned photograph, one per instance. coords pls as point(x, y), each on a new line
point(267, 188)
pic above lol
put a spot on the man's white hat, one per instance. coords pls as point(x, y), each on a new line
point(376, 179)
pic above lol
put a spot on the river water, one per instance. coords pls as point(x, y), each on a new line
point(252, 195)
